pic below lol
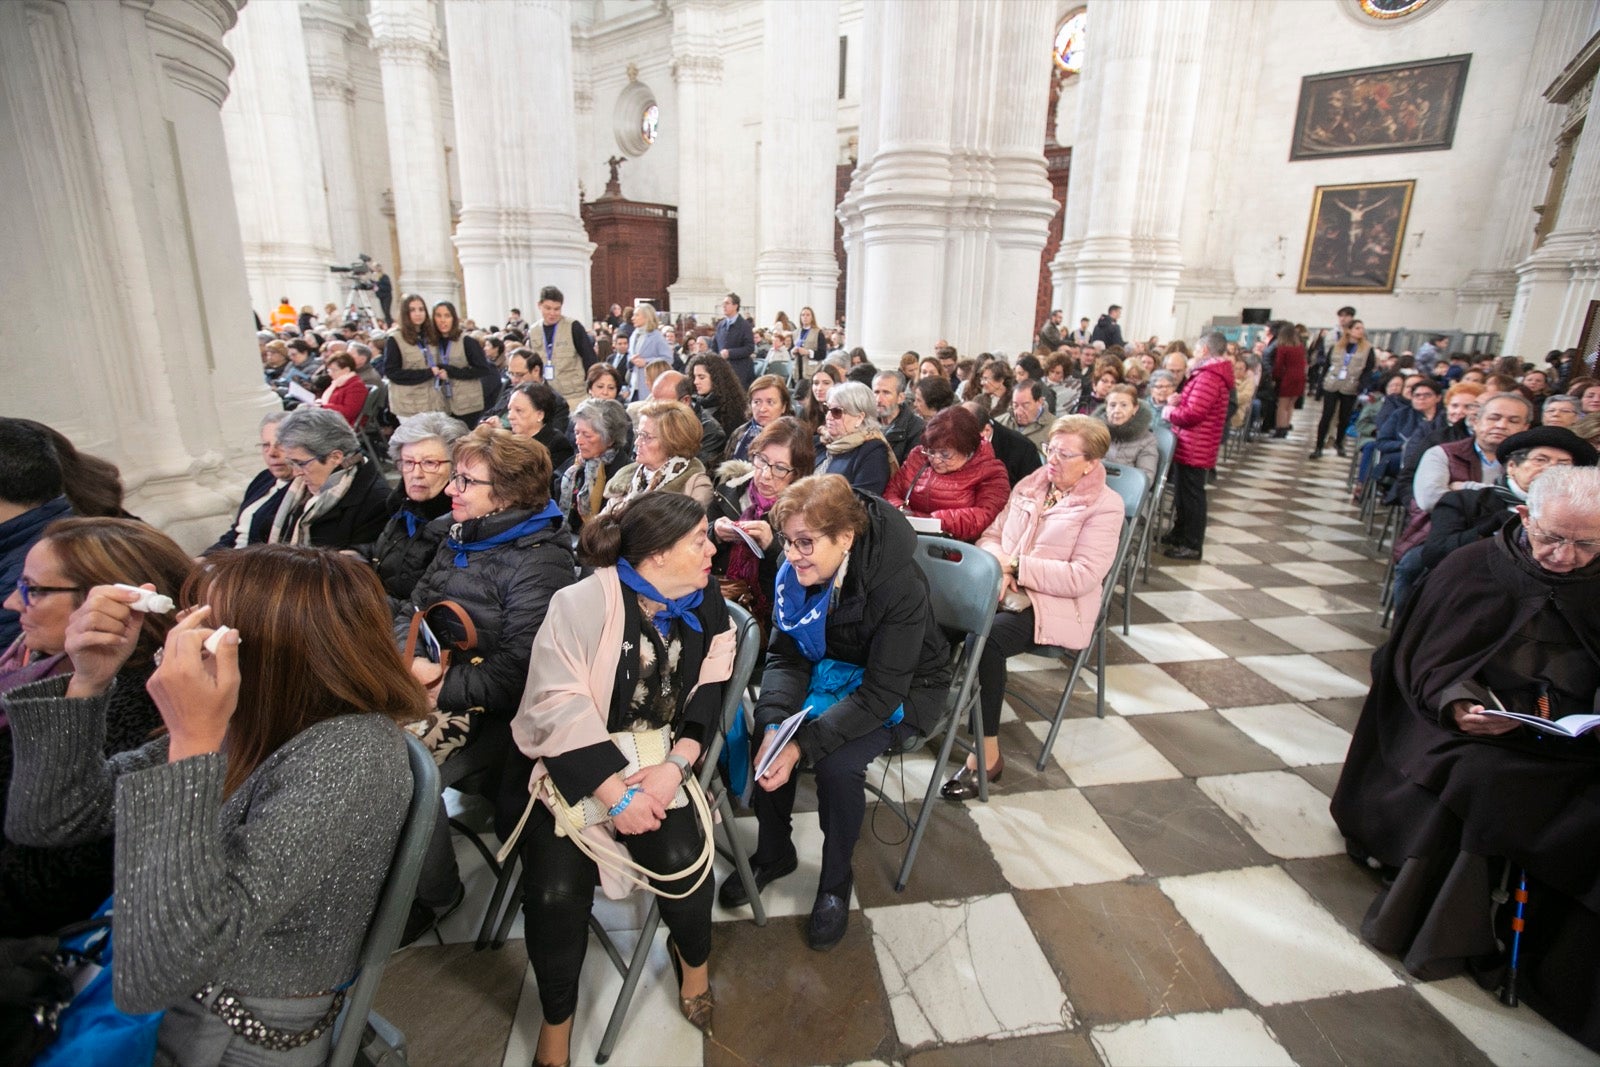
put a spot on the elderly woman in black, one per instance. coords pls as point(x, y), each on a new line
point(854, 642)
point(600, 436)
point(338, 497)
point(420, 449)
point(637, 645)
point(532, 411)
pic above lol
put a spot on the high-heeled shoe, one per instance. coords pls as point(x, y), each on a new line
point(696, 1009)
point(964, 785)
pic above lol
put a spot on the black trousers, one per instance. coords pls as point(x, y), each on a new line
point(1189, 516)
point(1011, 634)
point(841, 806)
point(1340, 405)
point(560, 892)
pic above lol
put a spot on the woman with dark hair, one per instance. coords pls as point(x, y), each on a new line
point(996, 381)
point(432, 366)
point(42, 889)
point(809, 343)
point(600, 437)
point(717, 392)
point(604, 382)
point(635, 646)
point(953, 476)
point(531, 410)
point(1106, 373)
point(769, 400)
point(780, 456)
point(814, 409)
point(420, 450)
point(346, 392)
point(931, 395)
point(93, 486)
point(855, 643)
point(338, 497)
point(253, 838)
point(666, 448)
point(1288, 373)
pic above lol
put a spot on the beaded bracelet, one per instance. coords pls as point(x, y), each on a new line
point(622, 804)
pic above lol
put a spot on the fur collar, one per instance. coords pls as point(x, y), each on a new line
point(1135, 427)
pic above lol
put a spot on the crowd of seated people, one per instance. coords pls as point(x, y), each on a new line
point(603, 477)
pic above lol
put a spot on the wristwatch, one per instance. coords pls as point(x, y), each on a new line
point(1016, 565)
point(682, 764)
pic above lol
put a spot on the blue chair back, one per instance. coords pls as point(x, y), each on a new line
point(1166, 443)
point(963, 583)
point(1129, 483)
point(747, 638)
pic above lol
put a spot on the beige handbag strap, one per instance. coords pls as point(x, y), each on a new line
point(625, 867)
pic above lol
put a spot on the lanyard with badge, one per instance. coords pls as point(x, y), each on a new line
point(549, 352)
point(1344, 371)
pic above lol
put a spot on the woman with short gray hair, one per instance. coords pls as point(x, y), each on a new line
point(853, 440)
point(337, 497)
point(419, 507)
point(600, 433)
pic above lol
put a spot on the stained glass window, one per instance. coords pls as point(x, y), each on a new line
point(650, 123)
point(1070, 42)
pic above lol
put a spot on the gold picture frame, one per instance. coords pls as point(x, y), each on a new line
point(1354, 238)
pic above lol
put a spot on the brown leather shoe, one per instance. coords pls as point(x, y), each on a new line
point(697, 1009)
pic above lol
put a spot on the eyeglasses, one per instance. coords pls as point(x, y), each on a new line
point(428, 466)
point(761, 463)
point(943, 455)
point(302, 464)
point(837, 413)
point(1059, 454)
point(463, 483)
point(1582, 548)
point(645, 438)
point(803, 545)
point(29, 591)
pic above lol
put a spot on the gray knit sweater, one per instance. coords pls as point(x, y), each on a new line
point(267, 893)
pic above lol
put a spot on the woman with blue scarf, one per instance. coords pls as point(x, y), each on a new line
point(854, 642)
point(420, 450)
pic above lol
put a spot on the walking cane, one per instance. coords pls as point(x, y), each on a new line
point(1508, 990)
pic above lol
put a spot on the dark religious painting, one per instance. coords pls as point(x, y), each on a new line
point(1353, 242)
point(1403, 107)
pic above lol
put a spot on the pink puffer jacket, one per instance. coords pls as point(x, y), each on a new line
point(1065, 552)
point(1200, 413)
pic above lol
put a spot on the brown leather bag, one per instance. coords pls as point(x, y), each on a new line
point(469, 638)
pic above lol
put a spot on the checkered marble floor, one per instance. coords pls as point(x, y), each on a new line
point(1170, 889)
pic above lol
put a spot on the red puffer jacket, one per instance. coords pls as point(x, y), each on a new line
point(965, 501)
point(1200, 413)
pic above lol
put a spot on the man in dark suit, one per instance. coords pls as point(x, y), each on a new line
point(736, 341)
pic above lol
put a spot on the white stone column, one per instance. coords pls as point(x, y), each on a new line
point(950, 199)
point(276, 159)
point(795, 266)
point(699, 125)
point(519, 228)
point(405, 34)
point(327, 30)
point(122, 224)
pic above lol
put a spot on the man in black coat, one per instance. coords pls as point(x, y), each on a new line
point(383, 288)
point(736, 341)
point(1011, 448)
point(1108, 329)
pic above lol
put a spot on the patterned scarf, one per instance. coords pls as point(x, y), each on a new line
point(300, 508)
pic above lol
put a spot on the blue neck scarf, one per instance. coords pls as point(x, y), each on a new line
point(527, 526)
point(801, 614)
point(681, 608)
point(413, 520)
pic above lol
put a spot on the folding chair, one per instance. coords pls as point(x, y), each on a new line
point(1166, 447)
point(366, 425)
point(748, 648)
point(372, 1038)
point(964, 587)
point(1130, 484)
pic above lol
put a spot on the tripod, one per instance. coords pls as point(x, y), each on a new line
point(359, 310)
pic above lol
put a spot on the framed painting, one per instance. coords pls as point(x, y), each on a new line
point(1353, 242)
point(1402, 107)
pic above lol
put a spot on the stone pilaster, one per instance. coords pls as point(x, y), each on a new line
point(328, 30)
point(697, 73)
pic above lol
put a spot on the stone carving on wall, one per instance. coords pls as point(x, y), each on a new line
point(1401, 107)
point(1353, 241)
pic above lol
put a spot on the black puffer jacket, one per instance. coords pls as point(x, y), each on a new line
point(506, 590)
point(880, 619)
point(399, 554)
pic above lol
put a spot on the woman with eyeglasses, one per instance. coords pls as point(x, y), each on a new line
point(338, 498)
point(253, 836)
point(814, 409)
point(665, 450)
point(855, 644)
point(420, 450)
point(252, 523)
point(1056, 540)
point(746, 492)
point(853, 442)
point(953, 476)
point(44, 888)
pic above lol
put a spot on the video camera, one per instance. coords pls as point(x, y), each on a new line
point(360, 273)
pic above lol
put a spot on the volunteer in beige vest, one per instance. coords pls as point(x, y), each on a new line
point(433, 366)
point(566, 346)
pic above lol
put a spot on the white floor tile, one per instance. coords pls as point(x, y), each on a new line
point(1292, 732)
point(1252, 494)
point(1203, 576)
point(1287, 815)
point(1169, 642)
point(1210, 1039)
point(1241, 518)
point(1043, 840)
point(1305, 677)
point(1230, 535)
point(1310, 634)
point(1317, 573)
point(1508, 1036)
point(1146, 689)
point(1330, 518)
point(1314, 601)
point(1106, 751)
point(960, 971)
point(1336, 533)
point(1227, 555)
point(1034, 663)
point(1277, 943)
point(1187, 606)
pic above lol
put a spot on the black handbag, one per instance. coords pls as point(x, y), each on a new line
point(36, 985)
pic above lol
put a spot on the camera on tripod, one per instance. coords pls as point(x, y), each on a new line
point(360, 273)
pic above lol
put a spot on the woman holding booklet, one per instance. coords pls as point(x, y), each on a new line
point(1457, 798)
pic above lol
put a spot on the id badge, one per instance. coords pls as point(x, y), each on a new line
point(1344, 373)
point(550, 371)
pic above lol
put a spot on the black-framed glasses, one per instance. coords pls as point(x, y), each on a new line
point(803, 545)
point(427, 466)
point(29, 591)
point(762, 463)
point(302, 464)
point(463, 483)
